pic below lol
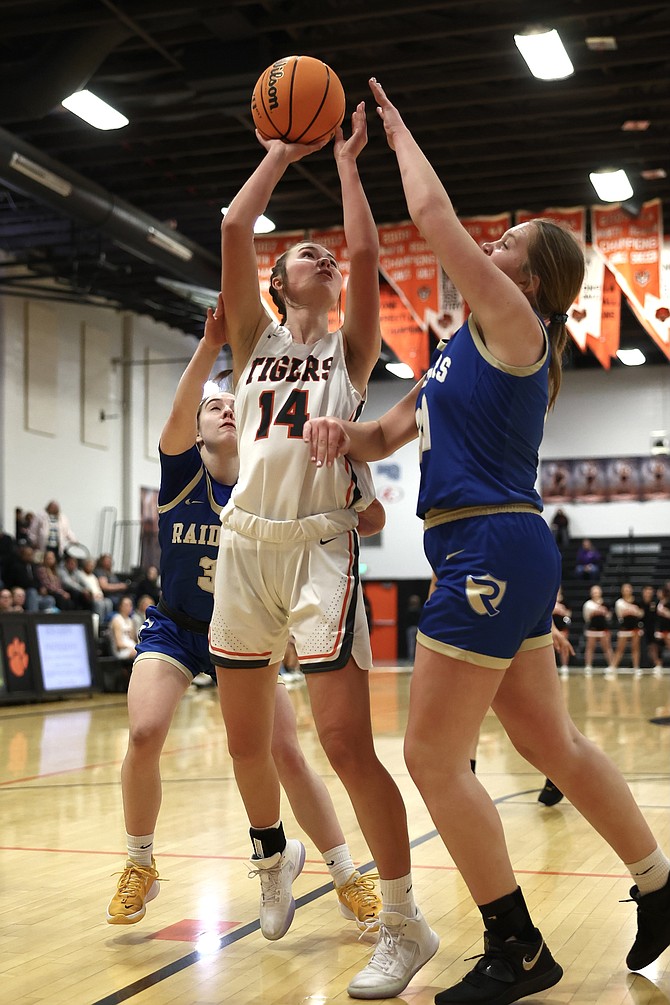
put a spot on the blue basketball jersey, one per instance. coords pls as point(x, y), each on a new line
point(480, 427)
point(189, 509)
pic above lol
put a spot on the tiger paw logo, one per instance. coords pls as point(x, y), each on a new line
point(17, 657)
point(485, 594)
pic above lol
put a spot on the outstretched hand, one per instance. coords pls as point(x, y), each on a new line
point(291, 151)
point(387, 112)
point(326, 439)
point(359, 136)
point(216, 330)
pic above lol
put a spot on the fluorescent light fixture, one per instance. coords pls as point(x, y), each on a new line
point(263, 224)
point(94, 110)
point(601, 43)
point(545, 53)
point(631, 357)
point(654, 174)
point(169, 244)
point(612, 185)
point(39, 174)
point(403, 370)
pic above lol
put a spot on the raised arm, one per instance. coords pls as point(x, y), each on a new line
point(361, 321)
point(246, 316)
point(179, 432)
point(502, 310)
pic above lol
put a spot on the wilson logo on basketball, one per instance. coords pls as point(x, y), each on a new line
point(17, 657)
point(276, 73)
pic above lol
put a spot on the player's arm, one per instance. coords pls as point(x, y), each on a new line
point(361, 329)
point(179, 432)
point(246, 315)
point(329, 438)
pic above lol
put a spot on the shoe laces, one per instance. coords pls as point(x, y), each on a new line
point(360, 891)
point(134, 878)
point(386, 950)
point(271, 886)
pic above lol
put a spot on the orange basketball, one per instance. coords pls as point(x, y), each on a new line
point(299, 100)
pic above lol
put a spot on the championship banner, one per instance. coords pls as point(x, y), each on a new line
point(631, 247)
point(594, 318)
point(333, 239)
point(410, 268)
point(573, 217)
point(268, 249)
point(453, 310)
point(401, 332)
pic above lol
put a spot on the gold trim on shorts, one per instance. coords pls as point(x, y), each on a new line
point(480, 659)
point(435, 517)
point(166, 659)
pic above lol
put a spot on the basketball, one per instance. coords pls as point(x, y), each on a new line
point(298, 100)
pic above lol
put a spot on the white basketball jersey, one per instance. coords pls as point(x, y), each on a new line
point(284, 384)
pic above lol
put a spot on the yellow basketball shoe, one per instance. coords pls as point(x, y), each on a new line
point(360, 902)
point(137, 886)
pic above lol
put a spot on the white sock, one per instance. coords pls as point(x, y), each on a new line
point(650, 873)
point(140, 848)
point(340, 863)
point(398, 895)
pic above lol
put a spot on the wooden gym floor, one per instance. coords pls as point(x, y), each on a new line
point(200, 944)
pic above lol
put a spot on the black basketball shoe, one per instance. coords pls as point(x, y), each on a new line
point(506, 972)
point(550, 794)
point(653, 927)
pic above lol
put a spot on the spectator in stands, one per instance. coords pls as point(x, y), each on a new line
point(21, 570)
point(6, 601)
point(50, 582)
point(629, 615)
point(50, 530)
point(140, 613)
point(22, 522)
point(561, 616)
point(148, 583)
point(588, 561)
point(648, 605)
point(19, 599)
point(122, 631)
point(596, 629)
point(100, 604)
point(560, 528)
point(111, 585)
point(69, 574)
point(662, 631)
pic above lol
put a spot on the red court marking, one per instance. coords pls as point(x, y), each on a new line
point(90, 767)
point(314, 872)
point(190, 930)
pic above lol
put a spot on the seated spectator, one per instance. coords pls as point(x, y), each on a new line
point(68, 571)
point(140, 613)
point(122, 633)
point(560, 528)
point(21, 570)
point(629, 615)
point(588, 561)
point(100, 604)
point(596, 629)
point(50, 530)
point(149, 583)
point(50, 582)
point(6, 601)
point(19, 599)
point(110, 584)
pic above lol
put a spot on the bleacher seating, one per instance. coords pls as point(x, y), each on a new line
point(636, 560)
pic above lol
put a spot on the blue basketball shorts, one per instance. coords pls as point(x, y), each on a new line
point(497, 580)
point(160, 638)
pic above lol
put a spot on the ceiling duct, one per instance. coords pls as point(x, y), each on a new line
point(34, 87)
point(27, 170)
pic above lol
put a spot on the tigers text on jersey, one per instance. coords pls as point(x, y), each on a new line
point(480, 427)
point(189, 510)
point(284, 384)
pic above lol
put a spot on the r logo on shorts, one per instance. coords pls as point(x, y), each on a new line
point(485, 593)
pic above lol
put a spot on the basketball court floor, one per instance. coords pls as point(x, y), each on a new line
point(199, 944)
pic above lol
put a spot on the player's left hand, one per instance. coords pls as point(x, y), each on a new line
point(326, 439)
point(359, 136)
point(216, 332)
